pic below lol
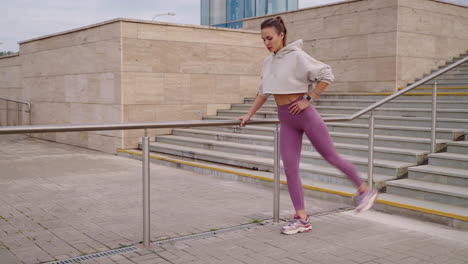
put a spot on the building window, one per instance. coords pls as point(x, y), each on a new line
point(222, 12)
point(234, 10)
point(249, 8)
point(205, 12)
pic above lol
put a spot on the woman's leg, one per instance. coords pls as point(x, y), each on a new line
point(290, 150)
point(317, 132)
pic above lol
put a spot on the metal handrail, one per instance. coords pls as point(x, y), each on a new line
point(18, 102)
point(145, 139)
point(120, 126)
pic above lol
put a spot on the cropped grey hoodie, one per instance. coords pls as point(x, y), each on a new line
point(292, 70)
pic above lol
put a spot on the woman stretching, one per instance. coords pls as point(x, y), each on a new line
point(288, 74)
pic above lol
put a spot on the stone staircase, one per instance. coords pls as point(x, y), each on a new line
point(412, 181)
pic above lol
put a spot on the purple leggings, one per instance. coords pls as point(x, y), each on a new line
point(292, 128)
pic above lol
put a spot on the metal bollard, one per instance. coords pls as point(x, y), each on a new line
point(146, 190)
point(434, 117)
point(370, 166)
point(276, 191)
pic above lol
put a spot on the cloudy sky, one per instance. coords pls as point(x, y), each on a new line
point(26, 19)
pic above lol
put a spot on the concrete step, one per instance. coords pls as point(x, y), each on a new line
point(338, 137)
point(460, 68)
point(457, 82)
point(450, 123)
point(460, 147)
point(236, 143)
point(326, 174)
point(430, 211)
point(428, 87)
point(389, 130)
point(453, 216)
point(377, 96)
point(461, 113)
point(456, 123)
point(451, 160)
point(442, 175)
point(441, 104)
point(348, 110)
point(435, 192)
point(453, 75)
point(459, 71)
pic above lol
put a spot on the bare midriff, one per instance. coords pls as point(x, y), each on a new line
point(283, 99)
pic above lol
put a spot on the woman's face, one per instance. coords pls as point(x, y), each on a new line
point(272, 40)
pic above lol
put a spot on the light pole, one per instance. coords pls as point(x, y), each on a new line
point(164, 14)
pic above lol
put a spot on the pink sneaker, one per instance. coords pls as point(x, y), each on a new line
point(366, 200)
point(297, 226)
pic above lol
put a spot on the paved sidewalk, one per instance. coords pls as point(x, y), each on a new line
point(338, 238)
point(60, 201)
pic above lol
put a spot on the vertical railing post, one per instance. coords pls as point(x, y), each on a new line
point(29, 114)
point(6, 112)
point(18, 116)
point(276, 191)
point(146, 190)
point(434, 117)
point(370, 166)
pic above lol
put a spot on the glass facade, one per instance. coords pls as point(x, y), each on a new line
point(205, 12)
point(229, 13)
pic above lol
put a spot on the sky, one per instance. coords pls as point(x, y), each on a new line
point(26, 19)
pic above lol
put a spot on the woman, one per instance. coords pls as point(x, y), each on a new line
point(288, 74)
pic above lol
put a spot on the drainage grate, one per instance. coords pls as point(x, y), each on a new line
point(95, 255)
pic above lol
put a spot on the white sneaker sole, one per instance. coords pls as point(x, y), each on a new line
point(298, 230)
point(368, 205)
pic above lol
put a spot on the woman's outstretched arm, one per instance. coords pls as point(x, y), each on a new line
point(259, 101)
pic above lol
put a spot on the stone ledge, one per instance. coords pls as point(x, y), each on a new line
point(137, 21)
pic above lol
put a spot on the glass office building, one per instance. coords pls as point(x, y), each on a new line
point(229, 13)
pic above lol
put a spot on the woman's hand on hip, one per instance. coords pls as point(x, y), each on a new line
point(299, 106)
point(244, 119)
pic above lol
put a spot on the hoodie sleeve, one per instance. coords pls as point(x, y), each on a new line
point(260, 88)
point(315, 70)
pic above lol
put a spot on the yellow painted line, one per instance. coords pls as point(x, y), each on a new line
point(422, 93)
point(411, 207)
point(422, 209)
point(438, 88)
point(199, 165)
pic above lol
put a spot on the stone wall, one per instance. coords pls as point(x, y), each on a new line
point(429, 34)
point(357, 38)
point(172, 73)
point(375, 45)
point(127, 70)
point(74, 78)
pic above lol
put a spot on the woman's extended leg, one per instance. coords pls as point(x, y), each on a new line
point(317, 132)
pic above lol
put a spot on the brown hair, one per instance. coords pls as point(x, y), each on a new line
point(278, 24)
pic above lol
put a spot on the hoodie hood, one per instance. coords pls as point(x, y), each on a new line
point(293, 46)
